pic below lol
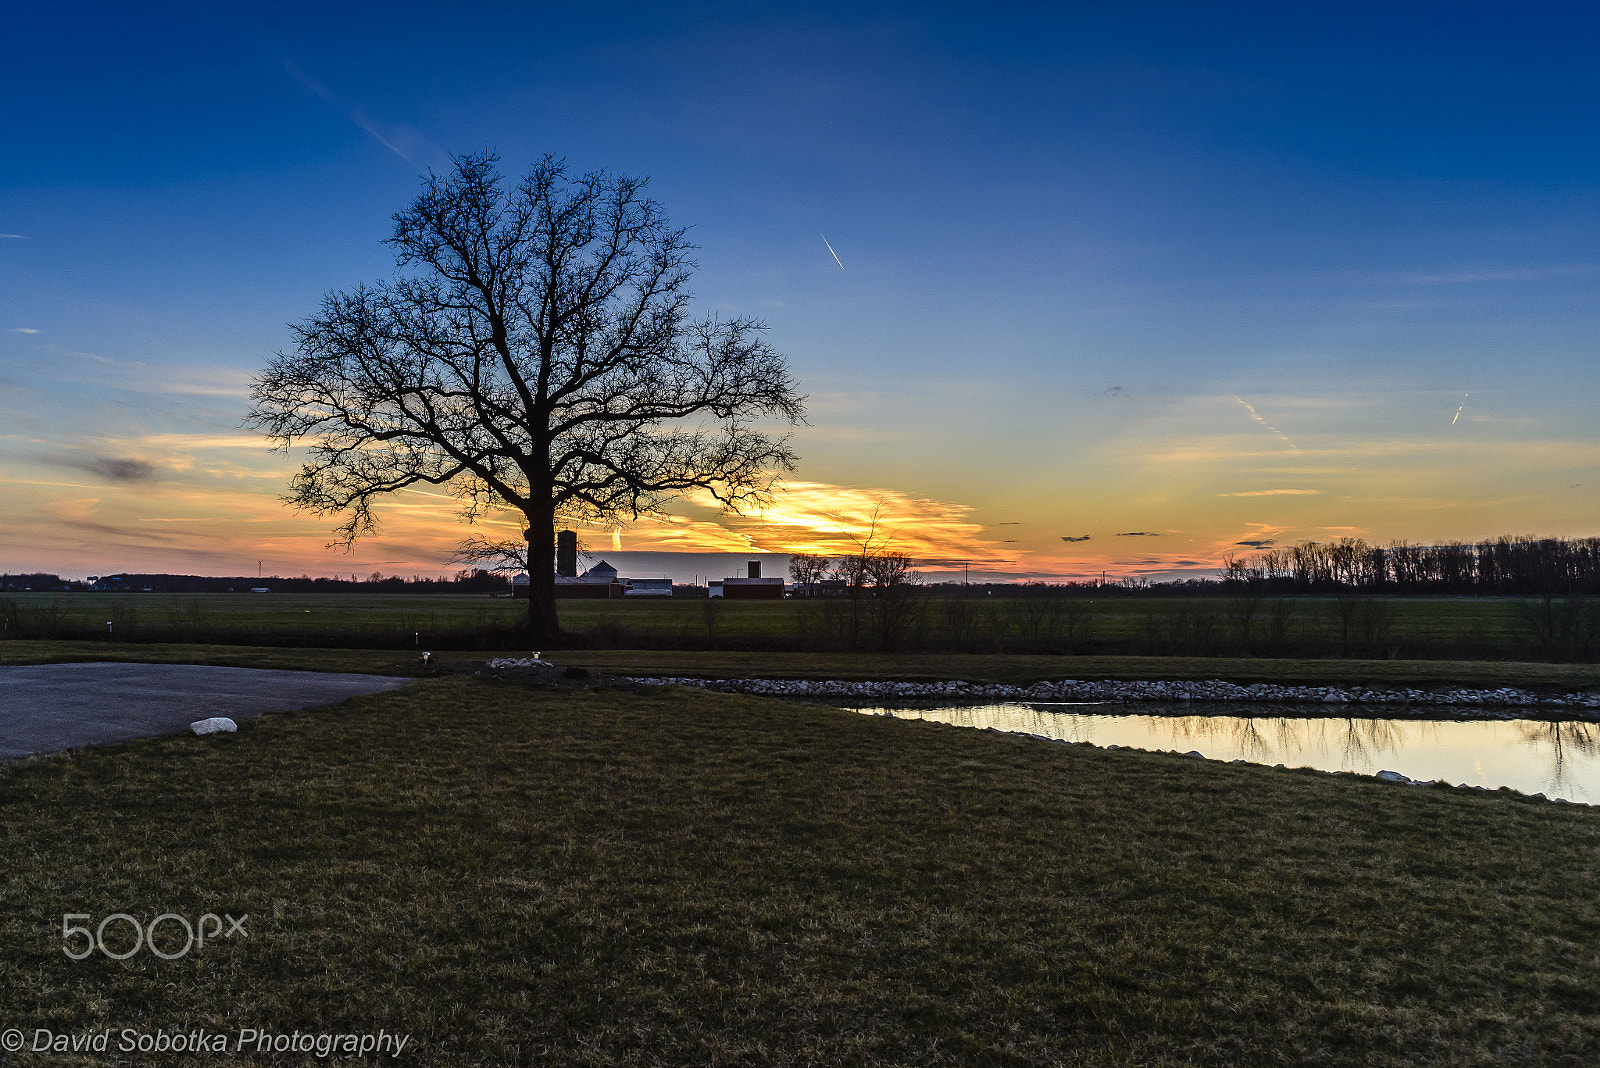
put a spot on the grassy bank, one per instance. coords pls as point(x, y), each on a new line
point(516, 876)
point(1019, 669)
point(1024, 669)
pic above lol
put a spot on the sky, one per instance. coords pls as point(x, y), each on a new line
point(1071, 288)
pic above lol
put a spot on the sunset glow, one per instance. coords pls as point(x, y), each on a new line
point(1119, 300)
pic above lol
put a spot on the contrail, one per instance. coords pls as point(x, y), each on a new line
point(1256, 416)
point(1464, 397)
point(830, 249)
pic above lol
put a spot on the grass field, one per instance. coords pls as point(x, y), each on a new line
point(361, 661)
point(516, 876)
point(1398, 628)
point(1019, 669)
point(1025, 669)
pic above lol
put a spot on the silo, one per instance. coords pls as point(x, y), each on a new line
point(755, 569)
point(567, 553)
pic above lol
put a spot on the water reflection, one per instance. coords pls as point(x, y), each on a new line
point(1559, 759)
point(1573, 749)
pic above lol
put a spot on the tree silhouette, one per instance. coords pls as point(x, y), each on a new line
point(534, 352)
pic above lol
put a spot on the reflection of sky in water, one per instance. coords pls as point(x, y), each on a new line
point(1533, 756)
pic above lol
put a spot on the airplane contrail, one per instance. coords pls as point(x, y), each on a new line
point(830, 249)
point(1281, 436)
point(1464, 397)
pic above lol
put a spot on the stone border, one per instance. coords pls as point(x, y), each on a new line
point(1488, 704)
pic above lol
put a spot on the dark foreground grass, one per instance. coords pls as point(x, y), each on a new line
point(360, 661)
point(517, 876)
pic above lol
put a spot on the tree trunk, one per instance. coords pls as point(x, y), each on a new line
point(544, 627)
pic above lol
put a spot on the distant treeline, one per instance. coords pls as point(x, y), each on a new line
point(1507, 565)
point(473, 581)
point(39, 581)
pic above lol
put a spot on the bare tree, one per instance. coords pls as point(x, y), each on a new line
point(501, 556)
point(497, 555)
point(534, 352)
point(896, 598)
point(1244, 581)
point(807, 569)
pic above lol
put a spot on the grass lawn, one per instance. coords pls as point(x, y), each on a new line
point(515, 876)
point(359, 661)
point(1026, 669)
point(997, 668)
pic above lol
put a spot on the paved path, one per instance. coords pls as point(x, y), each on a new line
point(47, 707)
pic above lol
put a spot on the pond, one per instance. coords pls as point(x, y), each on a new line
point(1557, 759)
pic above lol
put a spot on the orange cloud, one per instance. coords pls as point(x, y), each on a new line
point(817, 517)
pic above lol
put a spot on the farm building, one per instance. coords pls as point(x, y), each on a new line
point(599, 583)
point(649, 587)
point(752, 588)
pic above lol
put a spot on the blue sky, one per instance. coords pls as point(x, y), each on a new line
point(1214, 273)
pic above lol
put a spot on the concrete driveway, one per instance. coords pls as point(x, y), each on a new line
point(48, 707)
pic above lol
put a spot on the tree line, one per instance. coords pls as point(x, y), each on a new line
point(474, 580)
point(1504, 565)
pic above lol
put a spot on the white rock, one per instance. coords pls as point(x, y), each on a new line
point(1393, 776)
point(213, 725)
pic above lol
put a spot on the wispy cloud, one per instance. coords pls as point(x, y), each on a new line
point(110, 468)
point(1458, 275)
point(1502, 274)
point(403, 141)
point(15, 237)
point(1081, 537)
point(1257, 417)
point(1258, 543)
point(23, 330)
point(1272, 493)
point(1139, 534)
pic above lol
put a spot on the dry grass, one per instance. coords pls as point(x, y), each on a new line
point(518, 876)
point(359, 661)
point(1025, 669)
point(999, 668)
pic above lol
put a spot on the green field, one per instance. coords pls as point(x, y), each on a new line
point(515, 876)
point(1393, 628)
